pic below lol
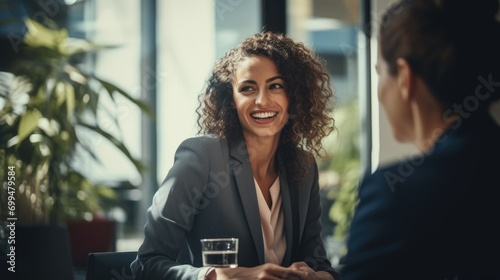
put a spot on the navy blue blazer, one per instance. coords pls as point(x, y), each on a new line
point(434, 216)
point(209, 193)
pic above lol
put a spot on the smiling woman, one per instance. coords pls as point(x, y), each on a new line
point(260, 98)
point(252, 175)
point(306, 83)
point(262, 105)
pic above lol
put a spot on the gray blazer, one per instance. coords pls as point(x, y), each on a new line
point(209, 193)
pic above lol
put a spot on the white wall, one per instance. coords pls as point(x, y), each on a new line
point(186, 49)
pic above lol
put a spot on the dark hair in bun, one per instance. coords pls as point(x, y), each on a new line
point(470, 11)
point(450, 44)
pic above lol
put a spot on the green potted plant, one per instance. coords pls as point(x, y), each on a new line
point(343, 166)
point(47, 100)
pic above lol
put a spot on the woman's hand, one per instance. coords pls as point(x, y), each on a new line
point(307, 273)
point(266, 271)
point(269, 271)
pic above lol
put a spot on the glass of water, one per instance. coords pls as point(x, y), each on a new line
point(220, 252)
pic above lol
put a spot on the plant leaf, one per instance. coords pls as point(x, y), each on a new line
point(28, 123)
point(74, 74)
point(93, 98)
point(89, 151)
point(60, 93)
point(40, 36)
point(118, 144)
point(70, 99)
point(112, 88)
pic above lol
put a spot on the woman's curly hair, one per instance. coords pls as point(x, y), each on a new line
point(308, 87)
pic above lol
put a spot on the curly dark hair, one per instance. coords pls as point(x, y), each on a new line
point(308, 88)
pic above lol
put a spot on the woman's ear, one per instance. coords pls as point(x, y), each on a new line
point(405, 78)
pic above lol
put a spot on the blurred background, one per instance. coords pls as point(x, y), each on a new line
point(133, 70)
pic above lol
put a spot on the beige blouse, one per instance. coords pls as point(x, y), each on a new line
point(272, 224)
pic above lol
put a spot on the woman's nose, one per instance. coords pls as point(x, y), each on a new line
point(262, 97)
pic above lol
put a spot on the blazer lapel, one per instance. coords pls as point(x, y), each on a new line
point(286, 205)
point(245, 183)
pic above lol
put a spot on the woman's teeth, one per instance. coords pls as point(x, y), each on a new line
point(263, 115)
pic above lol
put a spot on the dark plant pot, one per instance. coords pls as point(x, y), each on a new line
point(85, 237)
point(37, 252)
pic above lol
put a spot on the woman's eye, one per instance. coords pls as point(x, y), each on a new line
point(276, 86)
point(246, 89)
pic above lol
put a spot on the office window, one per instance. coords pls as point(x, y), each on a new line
point(116, 23)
